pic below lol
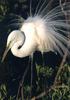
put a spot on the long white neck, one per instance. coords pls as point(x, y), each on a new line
point(27, 47)
point(24, 51)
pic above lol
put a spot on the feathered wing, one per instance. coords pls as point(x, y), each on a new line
point(57, 26)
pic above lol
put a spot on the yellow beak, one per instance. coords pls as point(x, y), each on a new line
point(5, 53)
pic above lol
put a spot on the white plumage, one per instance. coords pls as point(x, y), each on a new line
point(45, 31)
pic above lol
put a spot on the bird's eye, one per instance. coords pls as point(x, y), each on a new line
point(19, 46)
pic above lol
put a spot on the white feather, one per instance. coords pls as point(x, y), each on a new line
point(45, 31)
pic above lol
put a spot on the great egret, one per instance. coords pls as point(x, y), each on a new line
point(44, 31)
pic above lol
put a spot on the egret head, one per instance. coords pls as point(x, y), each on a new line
point(13, 38)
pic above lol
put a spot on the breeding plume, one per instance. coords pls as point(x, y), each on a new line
point(44, 31)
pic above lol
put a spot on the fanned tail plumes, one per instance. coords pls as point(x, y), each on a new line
point(57, 26)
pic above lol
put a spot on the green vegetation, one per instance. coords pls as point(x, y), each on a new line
point(59, 92)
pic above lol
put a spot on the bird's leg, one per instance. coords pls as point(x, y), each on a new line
point(44, 81)
point(42, 59)
point(31, 73)
point(22, 81)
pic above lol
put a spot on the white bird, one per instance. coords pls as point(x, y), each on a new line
point(44, 31)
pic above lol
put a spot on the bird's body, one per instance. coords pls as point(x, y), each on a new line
point(35, 32)
point(40, 33)
point(35, 39)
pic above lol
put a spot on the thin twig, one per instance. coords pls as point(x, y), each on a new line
point(51, 88)
point(22, 94)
